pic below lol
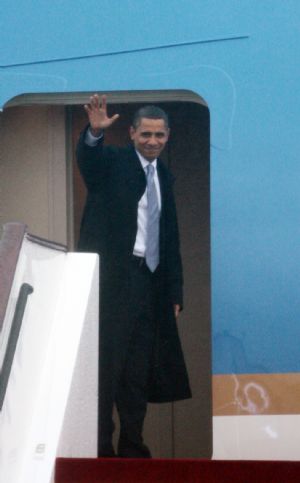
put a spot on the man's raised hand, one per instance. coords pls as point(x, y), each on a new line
point(97, 113)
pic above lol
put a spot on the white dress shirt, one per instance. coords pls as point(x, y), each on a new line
point(141, 236)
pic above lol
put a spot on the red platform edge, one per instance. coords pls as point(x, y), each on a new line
point(117, 470)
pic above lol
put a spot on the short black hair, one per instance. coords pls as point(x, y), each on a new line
point(149, 112)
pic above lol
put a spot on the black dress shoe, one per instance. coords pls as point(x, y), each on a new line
point(134, 451)
point(106, 452)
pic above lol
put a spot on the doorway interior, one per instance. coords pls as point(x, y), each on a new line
point(182, 429)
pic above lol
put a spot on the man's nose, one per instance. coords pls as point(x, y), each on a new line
point(152, 140)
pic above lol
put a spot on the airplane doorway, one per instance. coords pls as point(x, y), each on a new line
point(181, 429)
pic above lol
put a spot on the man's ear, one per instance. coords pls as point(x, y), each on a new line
point(131, 132)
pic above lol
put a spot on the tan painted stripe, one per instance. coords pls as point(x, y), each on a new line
point(245, 394)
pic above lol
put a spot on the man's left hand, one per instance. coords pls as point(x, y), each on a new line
point(176, 310)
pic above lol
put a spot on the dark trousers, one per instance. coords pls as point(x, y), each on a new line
point(132, 388)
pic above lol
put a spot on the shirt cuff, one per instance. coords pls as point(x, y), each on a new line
point(91, 140)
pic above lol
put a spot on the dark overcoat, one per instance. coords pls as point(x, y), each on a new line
point(115, 182)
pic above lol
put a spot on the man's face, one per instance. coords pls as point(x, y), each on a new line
point(150, 137)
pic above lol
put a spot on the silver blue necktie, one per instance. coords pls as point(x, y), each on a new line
point(152, 241)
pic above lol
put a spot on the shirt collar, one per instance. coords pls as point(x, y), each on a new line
point(144, 161)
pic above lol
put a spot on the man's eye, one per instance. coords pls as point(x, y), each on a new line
point(159, 135)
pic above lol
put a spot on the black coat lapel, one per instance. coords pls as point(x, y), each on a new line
point(163, 182)
point(135, 174)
